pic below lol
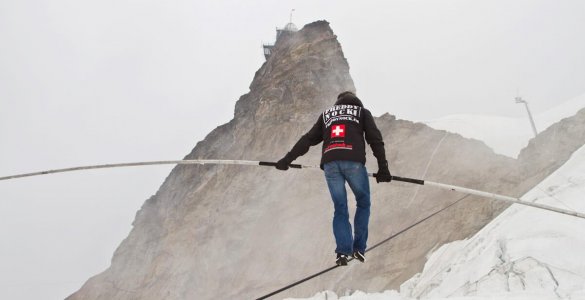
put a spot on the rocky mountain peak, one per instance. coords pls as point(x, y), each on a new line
point(303, 75)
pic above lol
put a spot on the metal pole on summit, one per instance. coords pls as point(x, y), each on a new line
point(487, 195)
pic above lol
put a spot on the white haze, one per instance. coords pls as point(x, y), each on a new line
point(86, 82)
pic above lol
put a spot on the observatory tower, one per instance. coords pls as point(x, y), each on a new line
point(289, 28)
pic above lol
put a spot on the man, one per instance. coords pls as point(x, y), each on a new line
point(342, 128)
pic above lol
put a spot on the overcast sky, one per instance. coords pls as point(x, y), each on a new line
point(86, 82)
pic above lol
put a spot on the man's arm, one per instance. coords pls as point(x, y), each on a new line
point(376, 142)
point(311, 138)
point(374, 136)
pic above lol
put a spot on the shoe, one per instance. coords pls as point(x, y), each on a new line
point(341, 259)
point(359, 256)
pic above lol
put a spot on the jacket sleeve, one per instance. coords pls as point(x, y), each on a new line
point(311, 138)
point(374, 137)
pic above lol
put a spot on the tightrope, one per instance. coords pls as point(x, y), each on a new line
point(368, 250)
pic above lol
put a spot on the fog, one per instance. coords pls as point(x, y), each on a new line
point(113, 81)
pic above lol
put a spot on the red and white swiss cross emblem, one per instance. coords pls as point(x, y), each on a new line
point(338, 131)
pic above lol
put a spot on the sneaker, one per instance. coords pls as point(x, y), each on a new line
point(341, 259)
point(359, 256)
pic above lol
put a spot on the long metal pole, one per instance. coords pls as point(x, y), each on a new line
point(150, 163)
point(298, 166)
point(490, 196)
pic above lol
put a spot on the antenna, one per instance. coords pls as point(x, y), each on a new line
point(291, 12)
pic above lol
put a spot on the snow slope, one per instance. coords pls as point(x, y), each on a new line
point(525, 253)
point(505, 135)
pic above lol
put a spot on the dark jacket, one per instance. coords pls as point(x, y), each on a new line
point(342, 128)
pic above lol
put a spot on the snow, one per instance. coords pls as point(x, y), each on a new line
point(524, 253)
point(505, 135)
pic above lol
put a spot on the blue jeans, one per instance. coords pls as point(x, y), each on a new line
point(355, 174)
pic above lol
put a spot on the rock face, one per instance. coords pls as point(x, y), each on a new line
point(239, 232)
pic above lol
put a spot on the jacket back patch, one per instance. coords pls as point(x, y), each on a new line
point(343, 112)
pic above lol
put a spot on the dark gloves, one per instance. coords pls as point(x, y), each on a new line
point(383, 174)
point(282, 164)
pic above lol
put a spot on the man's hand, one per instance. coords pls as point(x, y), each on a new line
point(383, 174)
point(282, 164)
